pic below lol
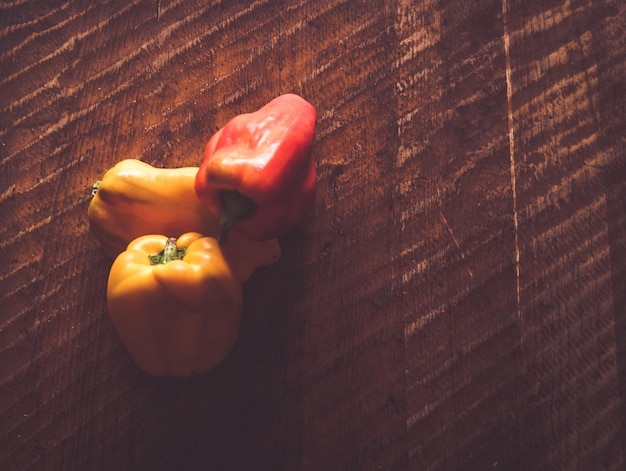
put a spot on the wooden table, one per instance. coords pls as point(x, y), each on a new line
point(455, 299)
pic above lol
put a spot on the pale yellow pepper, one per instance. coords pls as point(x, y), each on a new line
point(134, 199)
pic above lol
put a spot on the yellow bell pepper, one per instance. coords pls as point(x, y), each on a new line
point(134, 199)
point(176, 304)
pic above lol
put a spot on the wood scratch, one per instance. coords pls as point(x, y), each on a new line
point(509, 95)
point(456, 242)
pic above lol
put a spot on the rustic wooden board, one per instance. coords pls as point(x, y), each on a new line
point(456, 298)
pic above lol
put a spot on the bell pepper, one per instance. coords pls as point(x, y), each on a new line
point(175, 303)
point(258, 173)
point(134, 199)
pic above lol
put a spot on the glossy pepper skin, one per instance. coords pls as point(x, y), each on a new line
point(258, 174)
point(134, 199)
point(178, 317)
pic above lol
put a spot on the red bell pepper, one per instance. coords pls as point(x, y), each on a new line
point(258, 174)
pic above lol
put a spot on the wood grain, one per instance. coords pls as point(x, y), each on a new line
point(455, 300)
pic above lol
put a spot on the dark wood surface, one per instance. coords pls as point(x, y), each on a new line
point(455, 300)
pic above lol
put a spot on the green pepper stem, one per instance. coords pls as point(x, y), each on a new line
point(237, 207)
point(169, 253)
